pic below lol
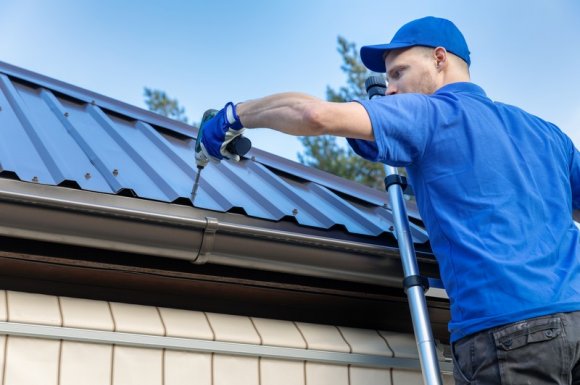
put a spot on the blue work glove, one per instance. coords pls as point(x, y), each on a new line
point(217, 133)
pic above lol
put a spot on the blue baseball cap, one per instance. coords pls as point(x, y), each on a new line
point(429, 32)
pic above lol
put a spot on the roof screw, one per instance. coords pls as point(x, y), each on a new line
point(391, 229)
point(115, 172)
point(93, 102)
point(35, 179)
point(295, 212)
point(253, 158)
point(88, 175)
point(66, 114)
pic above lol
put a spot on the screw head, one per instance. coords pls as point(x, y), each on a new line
point(88, 175)
point(295, 212)
point(115, 172)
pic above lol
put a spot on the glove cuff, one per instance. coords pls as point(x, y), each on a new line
point(232, 117)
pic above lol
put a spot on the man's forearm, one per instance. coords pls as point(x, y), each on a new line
point(304, 115)
point(286, 112)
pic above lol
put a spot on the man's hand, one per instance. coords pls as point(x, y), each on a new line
point(217, 133)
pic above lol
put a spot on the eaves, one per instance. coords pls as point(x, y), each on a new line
point(144, 227)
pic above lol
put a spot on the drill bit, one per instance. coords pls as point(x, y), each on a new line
point(196, 184)
point(201, 161)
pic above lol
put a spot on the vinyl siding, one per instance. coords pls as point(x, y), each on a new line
point(31, 361)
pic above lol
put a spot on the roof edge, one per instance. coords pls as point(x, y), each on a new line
point(102, 101)
point(66, 216)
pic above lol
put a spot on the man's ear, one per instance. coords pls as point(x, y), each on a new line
point(440, 56)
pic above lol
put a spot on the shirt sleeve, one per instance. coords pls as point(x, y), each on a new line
point(575, 179)
point(401, 126)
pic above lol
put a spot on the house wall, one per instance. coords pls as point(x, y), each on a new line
point(42, 359)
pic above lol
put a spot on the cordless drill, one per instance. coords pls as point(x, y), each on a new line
point(240, 145)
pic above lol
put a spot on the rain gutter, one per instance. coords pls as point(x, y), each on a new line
point(116, 223)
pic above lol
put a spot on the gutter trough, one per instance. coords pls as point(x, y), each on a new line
point(116, 223)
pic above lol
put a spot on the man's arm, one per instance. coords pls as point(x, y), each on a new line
point(304, 115)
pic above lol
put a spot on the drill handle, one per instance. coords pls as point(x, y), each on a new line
point(240, 145)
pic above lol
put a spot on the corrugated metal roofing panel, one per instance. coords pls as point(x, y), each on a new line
point(56, 134)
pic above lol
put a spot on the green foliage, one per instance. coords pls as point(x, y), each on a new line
point(158, 101)
point(324, 152)
point(356, 74)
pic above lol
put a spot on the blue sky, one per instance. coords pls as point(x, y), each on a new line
point(205, 53)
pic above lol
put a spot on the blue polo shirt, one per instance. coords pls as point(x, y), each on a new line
point(495, 187)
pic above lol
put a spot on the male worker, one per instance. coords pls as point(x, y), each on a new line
point(495, 186)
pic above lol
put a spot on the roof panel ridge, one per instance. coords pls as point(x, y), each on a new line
point(106, 123)
point(29, 125)
point(105, 102)
point(377, 197)
point(358, 219)
point(59, 111)
point(301, 203)
point(156, 138)
point(253, 192)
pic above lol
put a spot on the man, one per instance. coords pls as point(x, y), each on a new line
point(495, 186)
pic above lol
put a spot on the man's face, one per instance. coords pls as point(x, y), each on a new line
point(411, 70)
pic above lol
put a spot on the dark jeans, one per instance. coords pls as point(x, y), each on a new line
point(543, 350)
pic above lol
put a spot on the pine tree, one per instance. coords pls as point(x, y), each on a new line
point(159, 102)
point(324, 152)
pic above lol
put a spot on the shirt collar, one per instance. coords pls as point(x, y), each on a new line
point(464, 87)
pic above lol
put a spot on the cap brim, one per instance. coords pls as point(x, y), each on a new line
point(372, 56)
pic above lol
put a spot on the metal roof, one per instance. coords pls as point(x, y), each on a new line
point(57, 134)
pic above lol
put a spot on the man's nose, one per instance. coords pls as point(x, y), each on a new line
point(391, 89)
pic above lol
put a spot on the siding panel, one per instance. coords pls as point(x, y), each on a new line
point(3, 306)
point(86, 364)
point(229, 370)
point(3, 341)
point(323, 337)
point(185, 323)
point(407, 377)
point(369, 376)
point(403, 345)
point(86, 314)
point(233, 328)
point(31, 361)
point(278, 372)
point(33, 308)
point(136, 319)
point(365, 341)
point(181, 368)
point(137, 366)
point(279, 333)
point(323, 374)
